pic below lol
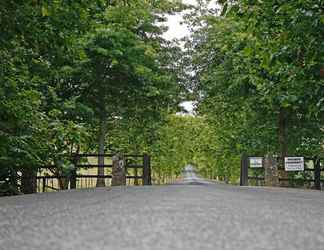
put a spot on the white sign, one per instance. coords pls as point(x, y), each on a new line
point(121, 163)
point(294, 163)
point(256, 162)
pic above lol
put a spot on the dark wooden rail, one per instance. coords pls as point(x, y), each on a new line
point(46, 180)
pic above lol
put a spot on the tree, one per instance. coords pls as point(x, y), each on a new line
point(124, 68)
point(69, 64)
point(37, 46)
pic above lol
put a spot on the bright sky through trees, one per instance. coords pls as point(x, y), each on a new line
point(178, 30)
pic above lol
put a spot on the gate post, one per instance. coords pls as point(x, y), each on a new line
point(118, 171)
point(146, 170)
point(271, 176)
point(317, 173)
point(244, 181)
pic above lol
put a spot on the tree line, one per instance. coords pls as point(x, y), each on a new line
point(98, 76)
point(258, 75)
point(72, 71)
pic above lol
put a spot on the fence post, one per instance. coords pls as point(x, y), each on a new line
point(244, 181)
point(74, 172)
point(317, 173)
point(146, 170)
point(149, 171)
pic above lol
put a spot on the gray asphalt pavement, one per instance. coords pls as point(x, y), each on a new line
point(190, 177)
point(205, 216)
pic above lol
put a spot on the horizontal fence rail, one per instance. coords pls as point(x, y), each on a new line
point(83, 174)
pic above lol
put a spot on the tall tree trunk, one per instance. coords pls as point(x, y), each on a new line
point(63, 183)
point(159, 175)
point(282, 133)
point(135, 174)
point(101, 158)
point(283, 141)
point(28, 181)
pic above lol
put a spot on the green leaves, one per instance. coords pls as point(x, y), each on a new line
point(255, 59)
point(39, 49)
point(45, 11)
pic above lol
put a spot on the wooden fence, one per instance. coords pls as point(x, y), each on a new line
point(83, 173)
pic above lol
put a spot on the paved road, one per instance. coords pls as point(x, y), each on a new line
point(190, 177)
point(207, 216)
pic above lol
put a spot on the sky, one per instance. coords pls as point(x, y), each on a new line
point(176, 30)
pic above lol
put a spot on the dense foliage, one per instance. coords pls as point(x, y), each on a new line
point(191, 140)
point(70, 70)
point(97, 76)
point(258, 76)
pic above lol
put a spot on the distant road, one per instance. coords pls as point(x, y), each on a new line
point(204, 216)
point(189, 176)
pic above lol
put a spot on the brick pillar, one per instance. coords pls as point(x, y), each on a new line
point(118, 171)
point(271, 175)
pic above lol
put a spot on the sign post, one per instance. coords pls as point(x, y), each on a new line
point(294, 163)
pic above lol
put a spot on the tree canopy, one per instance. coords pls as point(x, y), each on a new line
point(257, 75)
point(98, 76)
point(69, 68)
